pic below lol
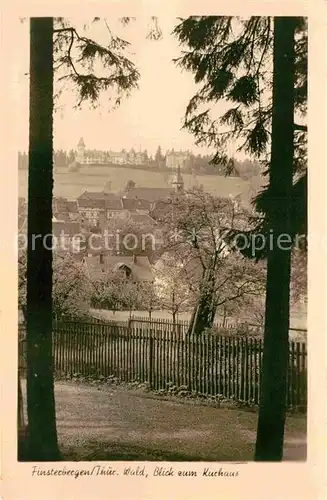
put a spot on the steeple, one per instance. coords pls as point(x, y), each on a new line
point(177, 181)
point(80, 151)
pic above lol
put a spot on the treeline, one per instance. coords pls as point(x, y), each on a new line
point(245, 169)
point(61, 158)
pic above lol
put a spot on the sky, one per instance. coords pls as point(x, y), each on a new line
point(151, 116)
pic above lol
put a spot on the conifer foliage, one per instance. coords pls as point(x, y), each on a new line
point(231, 61)
point(92, 67)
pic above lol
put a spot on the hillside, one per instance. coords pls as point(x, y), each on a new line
point(72, 184)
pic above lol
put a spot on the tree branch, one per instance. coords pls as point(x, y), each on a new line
point(302, 128)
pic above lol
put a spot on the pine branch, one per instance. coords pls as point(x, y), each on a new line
point(302, 128)
point(123, 74)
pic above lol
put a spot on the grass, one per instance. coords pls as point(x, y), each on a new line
point(71, 185)
point(114, 423)
point(298, 318)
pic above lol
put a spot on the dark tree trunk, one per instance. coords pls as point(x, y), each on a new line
point(42, 442)
point(204, 312)
point(192, 320)
point(270, 433)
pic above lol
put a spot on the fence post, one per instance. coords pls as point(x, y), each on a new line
point(151, 359)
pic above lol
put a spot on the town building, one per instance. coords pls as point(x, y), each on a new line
point(122, 157)
point(137, 268)
point(100, 205)
point(136, 205)
point(149, 198)
point(150, 194)
point(142, 219)
point(118, 158)
point(89, 209)
point(67, 236)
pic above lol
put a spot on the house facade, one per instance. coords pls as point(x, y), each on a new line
point(90, 209)
point(136, 205)
point(97, 207)
point(67, 236)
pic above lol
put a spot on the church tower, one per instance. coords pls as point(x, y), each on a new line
point(80, 151)
point(177, 181)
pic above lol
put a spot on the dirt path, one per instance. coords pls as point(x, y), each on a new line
point(106, 424)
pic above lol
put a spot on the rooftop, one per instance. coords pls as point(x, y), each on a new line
point(72, 206)
point(136, 204)
point(98, 195)
point(143, 219)
point(139, 265)
point(149, 194)
point(91, 203)
point(100, 199)
point(62, 217)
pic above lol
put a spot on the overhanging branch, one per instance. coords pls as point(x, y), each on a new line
point(302, 128)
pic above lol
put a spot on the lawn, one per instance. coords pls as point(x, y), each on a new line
point(116, 423)
point(298, 318)
point(71, 185)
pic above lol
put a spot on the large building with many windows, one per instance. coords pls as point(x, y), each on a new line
point(122, 157)
point(175, 159)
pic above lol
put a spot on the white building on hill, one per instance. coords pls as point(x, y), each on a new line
point(177, 158)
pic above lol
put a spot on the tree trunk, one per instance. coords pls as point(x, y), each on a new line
point(42, 443)
point(224, 316)
point(205, 310)
point(272, 413)
point(174, 320)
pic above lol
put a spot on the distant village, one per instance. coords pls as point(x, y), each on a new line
point(135, 210)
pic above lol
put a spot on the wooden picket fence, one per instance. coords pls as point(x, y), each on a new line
point(206, 365)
